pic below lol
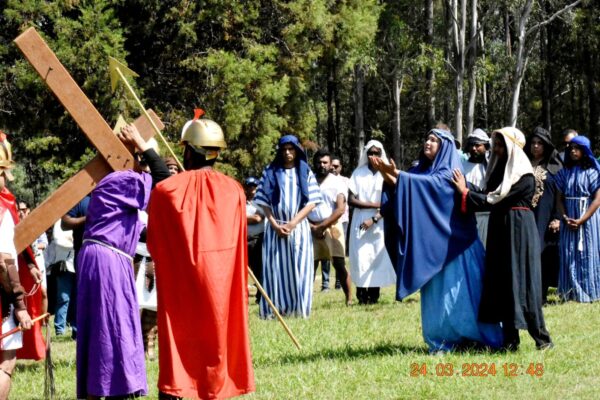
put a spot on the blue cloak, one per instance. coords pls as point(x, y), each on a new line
point(424, 228)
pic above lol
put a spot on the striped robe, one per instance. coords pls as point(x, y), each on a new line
point(288, 262)
point(579, 277)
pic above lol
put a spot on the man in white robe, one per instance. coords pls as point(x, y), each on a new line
point(370, 265)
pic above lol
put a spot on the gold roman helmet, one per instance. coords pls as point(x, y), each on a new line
point(201, 133)
point(6, 161)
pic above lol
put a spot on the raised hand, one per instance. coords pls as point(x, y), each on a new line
point(130, 136)
point(388, 170)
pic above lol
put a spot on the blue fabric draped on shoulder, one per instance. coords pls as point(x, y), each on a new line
point(424, 228)
point(275, 176)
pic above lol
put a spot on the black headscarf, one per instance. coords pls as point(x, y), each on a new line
point(551, 161)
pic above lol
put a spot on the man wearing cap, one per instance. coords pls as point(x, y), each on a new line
point(171, 163)
point(12, 294)
point(255, 218)
point(202, 286)
point(478, 146)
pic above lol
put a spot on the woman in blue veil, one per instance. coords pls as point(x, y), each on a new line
point(435, 248)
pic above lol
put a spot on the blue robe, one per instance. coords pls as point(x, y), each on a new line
point(288, 271)
point(435, 248)
point(579, 277)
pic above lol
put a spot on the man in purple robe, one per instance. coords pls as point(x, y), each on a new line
point(110, 350)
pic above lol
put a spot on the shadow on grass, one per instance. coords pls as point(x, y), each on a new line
point(554, 301)
point(38, 366)
point(334, 303)
point(351, 353)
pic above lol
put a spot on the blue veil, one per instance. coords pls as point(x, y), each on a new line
point(275, 175)
point(586, 146)
point(424, 228)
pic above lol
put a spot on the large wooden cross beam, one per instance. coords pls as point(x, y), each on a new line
point(112, 153)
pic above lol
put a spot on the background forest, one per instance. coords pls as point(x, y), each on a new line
point(335, 73)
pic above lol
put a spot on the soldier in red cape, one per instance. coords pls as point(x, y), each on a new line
point(197, 238)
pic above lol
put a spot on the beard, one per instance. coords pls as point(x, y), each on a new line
point(322, 172)
point(477, 158)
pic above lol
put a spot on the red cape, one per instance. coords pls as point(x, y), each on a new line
point(197, 238)
point(34, 347)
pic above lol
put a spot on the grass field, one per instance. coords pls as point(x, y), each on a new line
point(366, 352)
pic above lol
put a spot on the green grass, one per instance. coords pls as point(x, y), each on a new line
point(366, 352)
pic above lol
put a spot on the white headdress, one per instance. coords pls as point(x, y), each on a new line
point(517, 163)
point(364, 158)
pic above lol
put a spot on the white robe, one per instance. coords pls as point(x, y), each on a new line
point(370, 265)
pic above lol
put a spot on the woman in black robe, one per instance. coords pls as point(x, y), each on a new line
point(512, 279)
point(546, 163)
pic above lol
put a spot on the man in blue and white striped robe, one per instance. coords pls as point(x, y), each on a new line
point(288, 191)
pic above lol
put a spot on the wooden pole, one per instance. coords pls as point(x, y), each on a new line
point(20, 328)
point(279, 317)
point(139, 102)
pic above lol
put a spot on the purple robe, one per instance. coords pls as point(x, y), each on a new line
point(110, 350)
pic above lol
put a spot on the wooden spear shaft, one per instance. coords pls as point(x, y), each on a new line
point(139, 102)
point(20, 328)
point(279, 317)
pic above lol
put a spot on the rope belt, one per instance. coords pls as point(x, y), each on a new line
point(521, 208)
point(108, 246)
point(582, 209)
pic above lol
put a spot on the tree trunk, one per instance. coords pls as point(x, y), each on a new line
point(484, 95)
point(589, 66)
point(460, 24)
point(398, 148)
point(330, 111)
point(448, 52)
point(359, 119)
point(547, 73)
point(581, 103)
point(429, 73)
point(471, 73)
point(338, 114)
point(507, 40)
point(520, 64)
point(522, 55)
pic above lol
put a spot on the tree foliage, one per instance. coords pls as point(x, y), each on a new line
point(262, 69)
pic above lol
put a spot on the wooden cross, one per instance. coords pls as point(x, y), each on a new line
point(113, 155)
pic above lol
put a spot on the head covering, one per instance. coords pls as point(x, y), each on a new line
point(551, 161)
point(7, 200)
point(202, 133)
point(6, 162)
point(420, 213)
point(364, 158)
point(171, 161)
point(446, 159)
point(275, 175)
point(517, 163)
point(478, 136)
point(585, 145)
point(251, 181)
